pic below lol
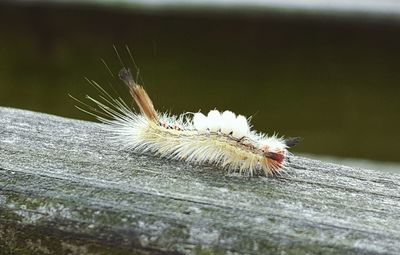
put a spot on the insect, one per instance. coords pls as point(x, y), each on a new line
point(222, 139)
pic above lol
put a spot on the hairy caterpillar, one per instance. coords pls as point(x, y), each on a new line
point(221, 139)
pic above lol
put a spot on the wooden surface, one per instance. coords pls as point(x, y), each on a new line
point(66, 189)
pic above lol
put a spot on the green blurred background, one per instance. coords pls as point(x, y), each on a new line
point(332, 80)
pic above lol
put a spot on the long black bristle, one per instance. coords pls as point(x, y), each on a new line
point(125, 75)
point(292, 141)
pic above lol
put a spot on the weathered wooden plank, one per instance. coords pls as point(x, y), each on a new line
point(64, 188)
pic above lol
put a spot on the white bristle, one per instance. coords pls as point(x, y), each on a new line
point(241, 127)
point(200, 122)
point(273, 143)
point(214, 120)
point(228, 122)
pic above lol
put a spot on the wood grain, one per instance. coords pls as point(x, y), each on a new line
point(65, 188)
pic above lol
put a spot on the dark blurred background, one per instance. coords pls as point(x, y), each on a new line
point(331, 79)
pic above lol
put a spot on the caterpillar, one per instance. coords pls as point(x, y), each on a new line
point(222, 139)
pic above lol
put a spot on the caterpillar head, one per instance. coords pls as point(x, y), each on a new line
point(275, 151)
